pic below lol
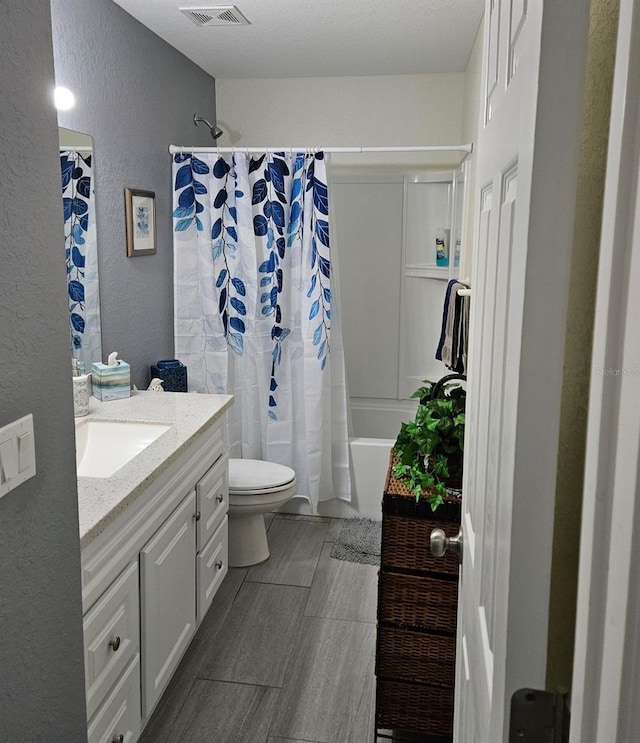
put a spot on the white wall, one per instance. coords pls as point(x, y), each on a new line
point(341, 111)
point(471, 90)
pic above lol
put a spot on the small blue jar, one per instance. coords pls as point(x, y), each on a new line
point(173, 373)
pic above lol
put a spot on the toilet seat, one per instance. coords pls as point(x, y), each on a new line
point(256, 477)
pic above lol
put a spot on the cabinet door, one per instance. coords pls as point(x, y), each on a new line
point(167, 599)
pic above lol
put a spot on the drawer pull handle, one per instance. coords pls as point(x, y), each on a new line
point(114, 643)
point(220, 498)
point(219, 565)
point(118, 739)
point(197, 515)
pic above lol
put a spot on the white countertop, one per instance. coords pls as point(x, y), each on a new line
point(100, 500)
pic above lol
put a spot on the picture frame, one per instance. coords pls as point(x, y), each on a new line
point(140, 214)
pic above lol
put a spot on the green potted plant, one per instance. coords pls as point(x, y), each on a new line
point(429, 449)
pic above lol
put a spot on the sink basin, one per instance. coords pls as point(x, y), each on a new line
point(103, 447)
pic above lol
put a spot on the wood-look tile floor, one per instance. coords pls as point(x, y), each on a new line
point(284, 655)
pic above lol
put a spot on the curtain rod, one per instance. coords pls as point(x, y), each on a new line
point(175, 150)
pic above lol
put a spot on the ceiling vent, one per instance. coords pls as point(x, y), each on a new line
point(216, 15)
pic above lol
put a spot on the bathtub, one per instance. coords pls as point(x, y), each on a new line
point(369, 464)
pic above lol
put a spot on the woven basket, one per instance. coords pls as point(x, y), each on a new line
point(418, 601)
point(399, 500)
point(415, 656)
point(420, 708)
point(405, 544)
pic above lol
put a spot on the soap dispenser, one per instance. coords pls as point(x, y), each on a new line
point(111, 381)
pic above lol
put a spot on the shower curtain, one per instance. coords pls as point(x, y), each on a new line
point(81, 255)
point(254, 311)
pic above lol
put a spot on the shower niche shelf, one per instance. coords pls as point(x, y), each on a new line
point(427, 272)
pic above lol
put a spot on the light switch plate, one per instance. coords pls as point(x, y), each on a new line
point(17, 454)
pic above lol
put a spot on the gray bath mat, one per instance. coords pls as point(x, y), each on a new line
point(358, 541)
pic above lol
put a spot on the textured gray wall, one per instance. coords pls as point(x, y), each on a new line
point(41, 667)
point(601, 55)
point(135, 95)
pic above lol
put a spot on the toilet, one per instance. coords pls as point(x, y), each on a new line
point(255, 488)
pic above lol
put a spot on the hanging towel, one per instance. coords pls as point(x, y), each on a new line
point(452, 348)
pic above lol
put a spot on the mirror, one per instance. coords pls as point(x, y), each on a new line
point(80, 245)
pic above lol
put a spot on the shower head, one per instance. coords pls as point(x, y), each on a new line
point(215, 131)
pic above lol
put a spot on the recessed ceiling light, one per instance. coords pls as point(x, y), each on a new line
point(63, 98)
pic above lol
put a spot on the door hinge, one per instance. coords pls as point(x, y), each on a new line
point(539, 717)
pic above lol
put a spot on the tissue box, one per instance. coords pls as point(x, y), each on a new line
point(111, 382)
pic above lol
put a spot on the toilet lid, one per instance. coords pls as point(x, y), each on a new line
point(246, 475)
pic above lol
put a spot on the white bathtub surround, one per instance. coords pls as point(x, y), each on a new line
point(379, 418)
point(255, 312)
point(369, 464)
point(100, 500)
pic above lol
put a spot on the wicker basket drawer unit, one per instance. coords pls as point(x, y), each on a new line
point(412, 655)
point(420, 708)
point(417, 612)
point(405, 545)
point(417, 601)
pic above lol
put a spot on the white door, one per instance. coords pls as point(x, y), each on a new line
point(533, 69)
point(606, 676)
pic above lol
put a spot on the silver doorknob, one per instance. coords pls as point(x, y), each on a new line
point(441, 544)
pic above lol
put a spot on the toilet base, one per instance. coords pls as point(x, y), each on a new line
point(247, 540)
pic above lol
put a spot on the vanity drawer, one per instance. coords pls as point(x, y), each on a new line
point(212, 566)
point(120, 713)
point(111, 636)
point(212, 500)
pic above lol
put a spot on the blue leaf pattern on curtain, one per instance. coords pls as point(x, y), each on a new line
point(320, 285)
point(76, 174)
point(253, 297)
point(277, 197)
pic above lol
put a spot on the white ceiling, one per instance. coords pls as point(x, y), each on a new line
point(318, 38)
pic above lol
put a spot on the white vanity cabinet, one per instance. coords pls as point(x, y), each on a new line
point(147, 581)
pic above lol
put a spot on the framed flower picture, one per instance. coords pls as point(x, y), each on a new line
point(140, 212)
